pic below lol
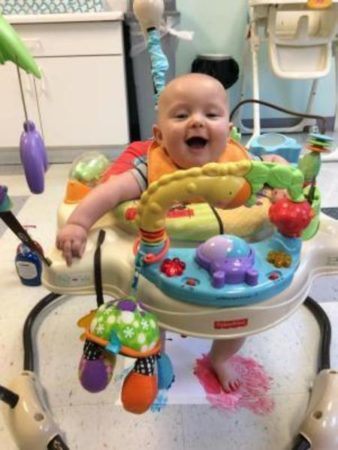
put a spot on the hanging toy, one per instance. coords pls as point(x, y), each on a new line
point(310, 163)
point(32, 149)
point(13, 49)
point(33, 157)
point(124, 327)
point(149, 14)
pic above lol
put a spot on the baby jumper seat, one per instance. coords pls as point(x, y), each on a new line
point(220, 288)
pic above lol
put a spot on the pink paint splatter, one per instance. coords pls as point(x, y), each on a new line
point(252, 393)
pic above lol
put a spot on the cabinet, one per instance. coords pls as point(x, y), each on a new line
point(81, 100)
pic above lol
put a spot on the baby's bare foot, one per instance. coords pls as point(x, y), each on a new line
point(227, 377)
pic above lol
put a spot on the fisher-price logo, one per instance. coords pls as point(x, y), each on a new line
point(226, 324)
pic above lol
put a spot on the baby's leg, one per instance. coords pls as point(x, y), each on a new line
point(220, 352)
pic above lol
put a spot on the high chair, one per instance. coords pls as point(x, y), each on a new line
point(299, 40)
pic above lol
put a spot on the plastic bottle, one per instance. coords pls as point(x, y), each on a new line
point(28, 266)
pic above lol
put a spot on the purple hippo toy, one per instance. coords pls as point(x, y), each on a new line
point(229, 260)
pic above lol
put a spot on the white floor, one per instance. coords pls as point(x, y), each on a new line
point(288, 353)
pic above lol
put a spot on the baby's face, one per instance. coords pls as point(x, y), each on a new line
point(193, 123)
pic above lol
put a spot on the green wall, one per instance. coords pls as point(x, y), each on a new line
point(219, 27)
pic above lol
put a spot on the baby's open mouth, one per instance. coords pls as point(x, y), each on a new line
point(196, 142)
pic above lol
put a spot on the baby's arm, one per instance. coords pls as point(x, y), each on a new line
point(72, 237)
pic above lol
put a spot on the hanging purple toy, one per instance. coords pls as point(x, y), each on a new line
point(32, 151)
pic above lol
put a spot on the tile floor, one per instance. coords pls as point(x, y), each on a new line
point(288, 353)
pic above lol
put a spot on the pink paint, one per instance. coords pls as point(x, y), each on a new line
point(252, 393)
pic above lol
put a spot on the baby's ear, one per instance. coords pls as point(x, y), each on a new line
point(157, 133)
point(231, 125)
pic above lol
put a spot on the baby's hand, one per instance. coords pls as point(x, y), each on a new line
point(71, 240)
point(276, 159)
point(277, 194)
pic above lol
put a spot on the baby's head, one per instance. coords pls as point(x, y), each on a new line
point(193, 120)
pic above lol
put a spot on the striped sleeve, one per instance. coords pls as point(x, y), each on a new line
point(140, 172)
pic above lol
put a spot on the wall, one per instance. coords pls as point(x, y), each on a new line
point(216, 32)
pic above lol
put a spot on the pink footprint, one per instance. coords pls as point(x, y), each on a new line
point(253, 392)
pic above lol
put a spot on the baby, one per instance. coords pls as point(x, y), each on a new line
point(192, 129)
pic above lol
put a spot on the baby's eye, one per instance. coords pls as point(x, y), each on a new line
point(212, 115)
point(181, 115)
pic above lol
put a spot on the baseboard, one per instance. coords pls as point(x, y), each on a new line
point(285, 122)
point(11, 156)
